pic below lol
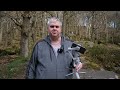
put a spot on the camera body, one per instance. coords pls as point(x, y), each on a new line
point(80, 48)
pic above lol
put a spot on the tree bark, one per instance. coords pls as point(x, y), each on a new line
point(1, 32)
point(25, 35)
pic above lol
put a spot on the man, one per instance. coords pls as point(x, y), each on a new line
point(50, 57)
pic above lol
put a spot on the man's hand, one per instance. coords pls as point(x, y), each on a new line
point(78, 66)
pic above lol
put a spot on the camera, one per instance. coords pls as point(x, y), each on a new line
point(77, 48)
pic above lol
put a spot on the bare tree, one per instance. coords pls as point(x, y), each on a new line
point(1, 31)
point(25, 30)
point(23, 23)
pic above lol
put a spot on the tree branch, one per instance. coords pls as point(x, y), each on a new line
point(16, 22)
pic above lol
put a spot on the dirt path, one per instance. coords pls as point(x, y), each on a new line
point(96, 74)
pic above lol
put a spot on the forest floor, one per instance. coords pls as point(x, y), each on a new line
point(14, 67)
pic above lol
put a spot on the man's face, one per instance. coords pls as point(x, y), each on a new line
point(54, 29)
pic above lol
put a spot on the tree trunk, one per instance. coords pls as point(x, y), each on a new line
point(24, 45)
point(1, 32)
point(44, 25)
point(6, 36)
point(63, 25)
point(25, 35)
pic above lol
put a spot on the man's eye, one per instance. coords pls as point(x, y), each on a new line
point(57, 26)
point(54, 26)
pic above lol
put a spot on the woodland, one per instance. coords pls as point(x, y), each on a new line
point(97, 31)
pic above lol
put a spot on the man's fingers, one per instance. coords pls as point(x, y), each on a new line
point(79, 66)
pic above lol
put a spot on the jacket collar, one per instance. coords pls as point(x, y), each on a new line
point(63, 42)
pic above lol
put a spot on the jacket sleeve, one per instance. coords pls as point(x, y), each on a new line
point(31, 66)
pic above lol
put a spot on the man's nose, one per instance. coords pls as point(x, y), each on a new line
point(54, 27)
